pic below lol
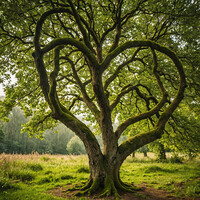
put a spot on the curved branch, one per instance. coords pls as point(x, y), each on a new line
point(70, 41)
point(141, 139)
point(49, 91)
point(146, 43)
point(74, 101)
point(124, 91)
point(82, 29)
point(135, 142)
point(41, 22)
point(86, 98)
point(119, 68)
point(141, 116)
point(155, 72)
point(118, 27)
point(53, 83)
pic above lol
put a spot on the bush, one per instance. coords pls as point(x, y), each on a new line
point(48, 172)
point(193, 188)
point(75, 146)
point(45, 158)
point(45, 180)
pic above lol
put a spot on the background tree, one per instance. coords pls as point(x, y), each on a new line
point(75, 146)
point(106, 60)
point(159, 149)
point(54, 141)
point(1, 137)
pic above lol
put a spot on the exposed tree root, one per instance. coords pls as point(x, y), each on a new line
point(76, 187)
point(129, 186)
point(111, 188)
point(90, 188)
point(88, 185)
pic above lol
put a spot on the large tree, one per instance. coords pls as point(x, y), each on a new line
point(99, 61)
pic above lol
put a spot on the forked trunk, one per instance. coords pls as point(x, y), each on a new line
point(104, 177)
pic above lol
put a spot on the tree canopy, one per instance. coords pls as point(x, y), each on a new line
point(102, 61)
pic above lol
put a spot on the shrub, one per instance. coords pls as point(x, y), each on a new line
point(48, 179)
point(193, 188)
point(48, 172)
point(45, 158)
point(75, 146)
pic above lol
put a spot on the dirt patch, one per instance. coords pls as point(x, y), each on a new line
point(146, 193)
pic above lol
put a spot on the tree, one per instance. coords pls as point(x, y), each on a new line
point(159, 150)
point(143, 150)
point(106, 60)
point(75, 146)
point(184, 129)
point(12, 141)
point(1, 137)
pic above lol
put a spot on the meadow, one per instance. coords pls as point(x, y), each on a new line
point(48, 177)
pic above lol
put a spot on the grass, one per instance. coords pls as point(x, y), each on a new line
point(31, 176)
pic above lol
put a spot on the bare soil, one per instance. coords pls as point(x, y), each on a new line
point(146, 193)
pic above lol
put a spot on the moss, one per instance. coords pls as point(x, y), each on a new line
point(110, 188)
point(94, 186)
point(133, 143)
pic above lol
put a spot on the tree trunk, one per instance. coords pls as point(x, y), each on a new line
point(105, 177)
point(161, 152)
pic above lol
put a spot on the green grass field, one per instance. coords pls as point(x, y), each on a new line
point(30, 177)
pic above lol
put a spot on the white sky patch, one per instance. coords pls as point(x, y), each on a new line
point(2, 85)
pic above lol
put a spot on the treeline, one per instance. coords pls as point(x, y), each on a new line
point(59, 140)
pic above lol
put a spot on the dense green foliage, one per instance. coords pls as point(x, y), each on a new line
point(89, 64)
point(175, 24)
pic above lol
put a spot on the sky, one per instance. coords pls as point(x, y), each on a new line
point(11, 81)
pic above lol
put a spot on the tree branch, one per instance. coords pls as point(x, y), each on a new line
point(82, 29)
point(70, 41)
point(140, 117)
point(86, 98)
point(119, 68)
point(118, 27)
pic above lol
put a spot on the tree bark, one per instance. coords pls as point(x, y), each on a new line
point(105, 176)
